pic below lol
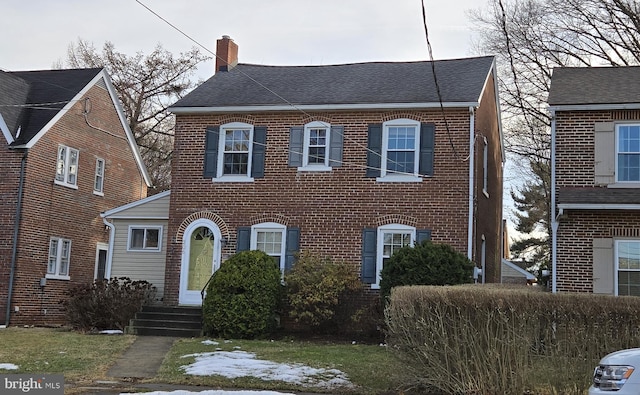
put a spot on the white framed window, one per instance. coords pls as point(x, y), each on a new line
point(627, 263)
point(628, 153)
point(316, 146)
point(67, 166)
point(390, 239)
point(144, 238)
point(270, 238)
point(236, 145)
point(400, 150)
point(59, 258)
point(98, 184)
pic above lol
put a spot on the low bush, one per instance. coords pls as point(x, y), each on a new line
point(243, 297)
point(315, 289)
point(425, 264)
point(487, 340)
point(106, 304)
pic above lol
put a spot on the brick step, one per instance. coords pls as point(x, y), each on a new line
point(167, 321)
point(152, 323)
point(156, 331)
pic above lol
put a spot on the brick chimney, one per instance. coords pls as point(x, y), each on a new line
point(226, 54)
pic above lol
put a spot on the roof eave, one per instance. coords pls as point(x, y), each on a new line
point(320, 107)
point(598, 206)
point(594, 107)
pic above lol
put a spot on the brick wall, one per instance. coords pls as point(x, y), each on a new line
point(575, 168)
point(330, 208)
point(58, 211)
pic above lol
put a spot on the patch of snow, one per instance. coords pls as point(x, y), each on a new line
point(111, 332)
point(244, 364)
point(210, 342)
point(8, 366)
point(210, 392)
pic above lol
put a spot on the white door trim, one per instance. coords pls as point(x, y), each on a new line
point(194, 298)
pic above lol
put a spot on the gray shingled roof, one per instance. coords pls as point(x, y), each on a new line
point(460, 80)
point(46, 86)
point(594, 85)
point(595, 195)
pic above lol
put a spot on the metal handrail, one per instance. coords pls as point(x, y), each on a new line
point(205, 287)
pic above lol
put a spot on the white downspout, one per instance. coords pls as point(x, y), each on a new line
point(471, 191)
point(112, 236)
point(554, 219)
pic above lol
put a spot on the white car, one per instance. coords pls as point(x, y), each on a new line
point(618, 372)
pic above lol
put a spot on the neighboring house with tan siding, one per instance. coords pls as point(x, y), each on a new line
point(596, 180)
point(66, 155)
point(138, 241)
point(347, 161)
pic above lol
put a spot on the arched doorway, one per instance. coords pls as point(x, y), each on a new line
point(200, 258)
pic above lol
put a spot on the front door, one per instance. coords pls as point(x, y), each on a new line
point(200, 258)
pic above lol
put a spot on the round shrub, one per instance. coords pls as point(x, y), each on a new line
point(316, 287)
point(243, 296)
point(425, 264)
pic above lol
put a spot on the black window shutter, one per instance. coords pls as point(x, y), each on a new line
point(422, 235)
point(291, 248)
point(335, 146)
point(369, 252)
point(427, 144)
point(296, 145)
point(211, 141)
point(259, 149)
point(374, 152)
point(244, 239)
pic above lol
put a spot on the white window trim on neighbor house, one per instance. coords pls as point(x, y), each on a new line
point(271, 227)
point(221, 177)
point(66, 167)
point(485, 167)
point(144, 247)
point(390, 176)
point(98, 184)
point(386, 229)
point(59, 259)
point(308, 128)
point(618, 152)
point(617, 249)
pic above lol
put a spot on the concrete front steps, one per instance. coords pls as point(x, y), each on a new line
point(167, 321)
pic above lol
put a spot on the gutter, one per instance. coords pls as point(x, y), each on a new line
point(319, 107)
point(112, 235)
point(472, 145)
point(14, 242)
point(554, 218)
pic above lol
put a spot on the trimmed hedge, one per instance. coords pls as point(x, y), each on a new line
point(243, 297)
point(486, 340)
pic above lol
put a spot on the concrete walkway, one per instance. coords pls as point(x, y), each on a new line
point(143, 358)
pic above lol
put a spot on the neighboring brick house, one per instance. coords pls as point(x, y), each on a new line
point(596, 180)
point(66, 155)
point(347, 161)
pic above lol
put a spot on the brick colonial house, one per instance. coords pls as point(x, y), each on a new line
point(596, 180)
point(348, 161)
point(66, 154)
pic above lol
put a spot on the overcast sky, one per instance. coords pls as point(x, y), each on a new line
point(37, 33)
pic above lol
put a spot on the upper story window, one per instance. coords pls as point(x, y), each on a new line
point(316, 146)
point(67, 166)
point(98, 184)
point(627, 253)
point(628, 153)
point(400, 150)
point(59, 257)
point(234, 152)
point(144, 238)
point(485, 167)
